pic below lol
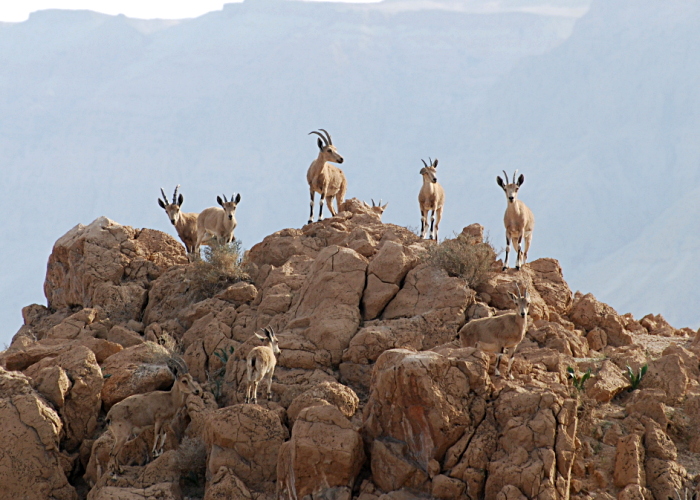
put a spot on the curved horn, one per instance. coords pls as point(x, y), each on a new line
point(504, 173)
point(426, 165)
point(177, 365)
point(225, 200)
point(327, 134)
point(165, 198)
point(515, 175)
point(520, 294)
point(430, 160)
point(175, 194)
point(321, 136)
point(373, 202)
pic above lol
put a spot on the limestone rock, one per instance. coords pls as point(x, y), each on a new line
point(109, 265)
point(52, 383)
point(669, 374)
point(225, 485)
point(500, 285)
point(629, 462)
point(136, 370)
point(325, 451)
point(548, 280)
point(82, 402)
point(607, 383)
point(30, 465)
point(239, 293)
point(20, 357)
point(588, 313)
point(245, 439)
point(336, 394)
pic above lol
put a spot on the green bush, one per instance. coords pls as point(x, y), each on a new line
point(578, 381)
point(220, 267)
point(464, 257)
point(635, 378)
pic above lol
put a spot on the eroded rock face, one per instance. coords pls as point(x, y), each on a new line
point(325, 451)
point(245, 439)
point(81, 401)
point(30, 465)
point(332, 393)
point(588, 313)
point(109, 265)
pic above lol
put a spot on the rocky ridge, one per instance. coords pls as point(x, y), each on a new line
point(372, 396)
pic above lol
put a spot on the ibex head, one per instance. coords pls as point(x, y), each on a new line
point(325, 144)
point(269, 338)
point(184, 381)
point(229, 206)
point(172, 209)
point(511, 188)
point(522, 301)
point(379, 208)
point(429, 171)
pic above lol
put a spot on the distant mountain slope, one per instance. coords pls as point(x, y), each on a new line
point(99, 112)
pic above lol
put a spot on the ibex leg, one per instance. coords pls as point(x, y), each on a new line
point(329, 202)
point(518, 246)
point(311, 212)
point(320, 207)
point(432, 223)
point(505, 261)
point(437, 222)
point(423, 222)
point(269, 387)
point(528, 240)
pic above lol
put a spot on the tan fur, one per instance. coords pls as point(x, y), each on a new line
point(497, 334)
point(132, 415)
point(260, 363)
point(185, 222)
point(518, 220)
point(326, 179)
point(217, 223)
point(376, 209)
point(430, 197)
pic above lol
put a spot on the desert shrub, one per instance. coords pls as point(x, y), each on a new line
point(219, 267)
point(464, 257)
point(635, 378)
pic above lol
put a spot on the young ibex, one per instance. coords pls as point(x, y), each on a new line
point(518, 219)
point(431, 197)
point(133, 414)
point(216, 223)
point(499, 333)
point(324, 178)
point(377, 209)
point(260, 363)
point(185, 223)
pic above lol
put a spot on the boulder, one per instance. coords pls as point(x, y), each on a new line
point(607, 383)
point(325, 451)
point(138, 369)
point(588, 313)
point(81, 402)
point(240, 293)
point(30, 463)
point(20, 357)
point(245, 439)
point(333, 393)
point(328, 311)
point(629, 462)
point(225, 485)
point(669, 374)
point(109, 265)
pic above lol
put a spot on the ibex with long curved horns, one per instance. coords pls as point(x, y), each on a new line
point(431, 197)
point(218, 223)
point(326, 179)
point(185, 223)
point(518, 219)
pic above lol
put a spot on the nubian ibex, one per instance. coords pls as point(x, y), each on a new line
point(185, 223)
point(132, 415)
point(497, 334)
point(431, 197)
point(216, 223)
point(260, 363)
point(324, 178)
point(377, 208)
point(518, 219)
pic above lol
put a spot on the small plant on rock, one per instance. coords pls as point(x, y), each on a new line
point(578, 381)
point(635, 378)
point(219, 267)
point(464, 257)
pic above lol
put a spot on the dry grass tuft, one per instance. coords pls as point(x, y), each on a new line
point(220, 267)
point(464, 257)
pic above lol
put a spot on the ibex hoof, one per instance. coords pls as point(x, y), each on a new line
point(310, 221)
point(517, 268)
point(269, 397)
point(504, 268)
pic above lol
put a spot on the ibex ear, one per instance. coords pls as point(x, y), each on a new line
point(160, 202)
point(320, 144)
point(499, 181)
point(238, 198)
point(435, 163)
point(180, 199)
point(218, 199)
point(385, 205)
point(521, 179)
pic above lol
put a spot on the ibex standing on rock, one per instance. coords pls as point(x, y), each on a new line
point(431, 197)
point(324, 178)
point(499, 333)
point(185, 223)
point(260, 363)
point(218, 223)
point(132, 415)
point(518, 219)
